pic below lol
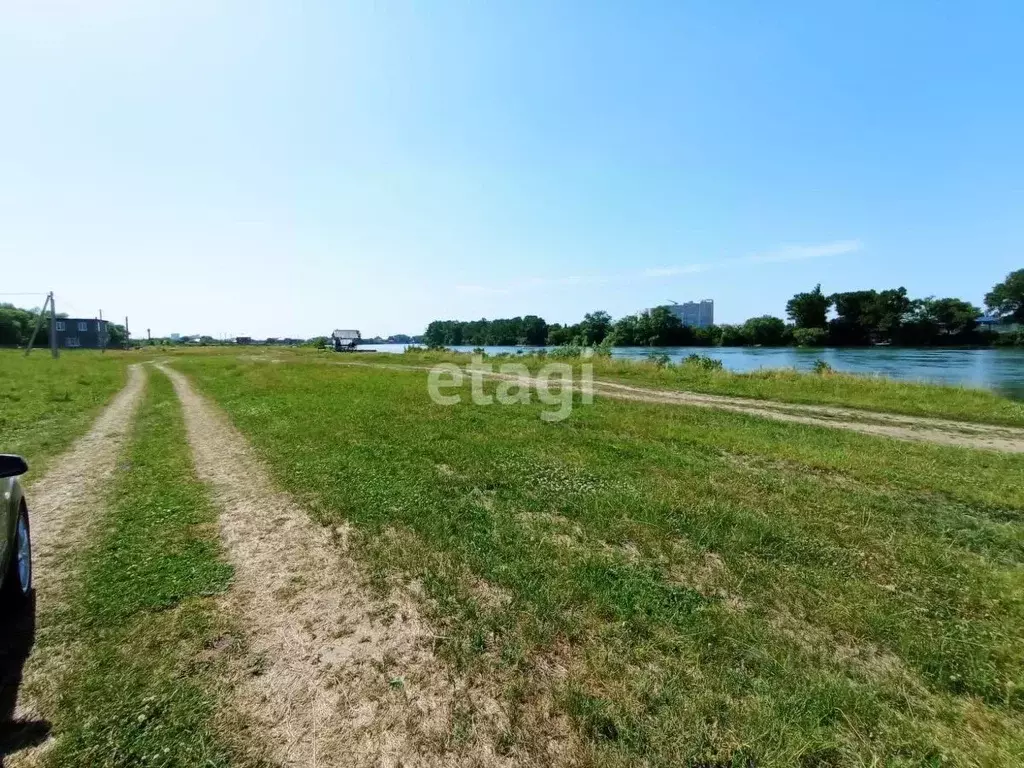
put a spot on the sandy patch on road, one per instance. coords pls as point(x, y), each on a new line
point(63, 505)
point(338, 676)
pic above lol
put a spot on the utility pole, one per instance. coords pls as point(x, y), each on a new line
point(39, 324)
point(103, 335)
point(53, 327)
point(149, 336)
point(127, 335)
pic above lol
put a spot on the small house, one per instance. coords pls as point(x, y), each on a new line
point(345, 341)
point(77, 332)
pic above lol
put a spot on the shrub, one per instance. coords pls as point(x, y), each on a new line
point(604, 349)
point(703, 362)
point(659, 359)
point(1010, 339)
point(810, 337)
point(822, 368)
point(567, 350)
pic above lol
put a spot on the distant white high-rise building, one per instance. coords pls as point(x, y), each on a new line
point(696, 314)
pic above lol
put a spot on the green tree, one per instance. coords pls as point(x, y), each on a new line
point(319, 342)
point(810, 337)
point(708, 336)
point(809, 310)
point(1006, 299)
point(559, 335)
point(12, 325)
point(116, 336)
point(890, 310)
point(852, 324)
point(664, 328)
point(623, 333)
point(863, 317)
point(950, 316)
point(16, 326)
point(765, 330)
point(435, 335)
point(733, 336)
point(595, 326)
point(535, 331)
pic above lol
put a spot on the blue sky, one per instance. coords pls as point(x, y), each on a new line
point(268, 169)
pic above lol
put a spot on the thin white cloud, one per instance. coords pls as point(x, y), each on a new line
point(777, 255)
point(802, 252)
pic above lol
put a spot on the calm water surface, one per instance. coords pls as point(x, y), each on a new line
point(1001, 370)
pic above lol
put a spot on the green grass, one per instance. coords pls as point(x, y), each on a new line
point(873, 393)
point(718, 588)
point(45, 403)
point(142, 683)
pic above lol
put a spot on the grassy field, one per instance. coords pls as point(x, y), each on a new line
point(874, 393)
point(846, 390)
point(45, 403)
point(784, 385)
point(688, 586)
point(141, 687)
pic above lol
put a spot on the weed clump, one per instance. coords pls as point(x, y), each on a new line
point(703, 362)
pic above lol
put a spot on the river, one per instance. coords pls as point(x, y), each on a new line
point(998, 369)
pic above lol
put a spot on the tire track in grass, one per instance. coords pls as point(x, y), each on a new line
point(151, 646)
point(62, 509)
point(876, 424)
point(63, 502)
point(923, 429)
point(339, 676)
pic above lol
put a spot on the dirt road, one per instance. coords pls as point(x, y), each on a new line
point(345, 677)
point(897, 426)
point(63, 506)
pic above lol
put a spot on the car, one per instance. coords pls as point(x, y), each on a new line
point(15, 537)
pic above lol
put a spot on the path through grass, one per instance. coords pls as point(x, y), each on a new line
point(142, 681)
point(45, 403)
point(687, 585)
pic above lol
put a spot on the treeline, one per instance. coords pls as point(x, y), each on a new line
point(16, 327)
point(531, 330)
point(398, 338)
point(853, 318)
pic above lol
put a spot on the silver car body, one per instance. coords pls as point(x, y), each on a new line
point(10, 505)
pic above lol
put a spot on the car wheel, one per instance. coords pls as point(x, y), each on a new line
point(18, 581)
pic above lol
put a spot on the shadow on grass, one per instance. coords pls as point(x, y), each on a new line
point(17, 634)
